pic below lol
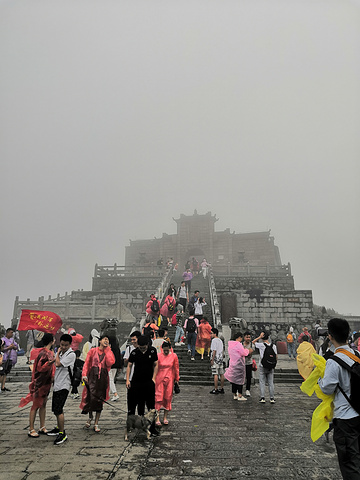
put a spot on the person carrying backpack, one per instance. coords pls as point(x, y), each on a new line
point(153, 307)
point(190, 326)
point(168, 309)
point(342, 377)
point(267, 363)
point(149, 330)
point(290, 342)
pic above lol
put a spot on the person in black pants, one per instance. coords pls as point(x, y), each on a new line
point(247, 343)
point(141, 389)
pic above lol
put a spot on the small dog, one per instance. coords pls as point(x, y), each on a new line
point(141, 423)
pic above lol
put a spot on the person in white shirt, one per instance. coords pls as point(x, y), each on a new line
point(134, 337)
point(217, 361)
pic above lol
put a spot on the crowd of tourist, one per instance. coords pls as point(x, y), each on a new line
point(152, 367)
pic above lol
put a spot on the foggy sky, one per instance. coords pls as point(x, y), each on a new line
point(118, 115)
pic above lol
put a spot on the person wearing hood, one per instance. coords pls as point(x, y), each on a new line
point(76, 339)
point(290, 341)
point(304, 357)
point(235, 374)
point(92, 342)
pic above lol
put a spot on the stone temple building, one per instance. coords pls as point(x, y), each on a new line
point(196, 237)
point(247, 274)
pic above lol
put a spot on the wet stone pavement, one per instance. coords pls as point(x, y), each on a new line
point(209, 436)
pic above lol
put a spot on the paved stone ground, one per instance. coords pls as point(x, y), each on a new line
point(212, 437)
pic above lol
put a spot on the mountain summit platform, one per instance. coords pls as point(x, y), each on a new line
point(208, 437)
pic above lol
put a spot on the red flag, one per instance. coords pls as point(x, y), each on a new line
point(38, 320)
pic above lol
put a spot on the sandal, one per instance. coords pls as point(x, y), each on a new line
point(43, 431)
point(32, 434)
point(158, 423)
point(166, 422)
point(88, 423)
point(96, 428)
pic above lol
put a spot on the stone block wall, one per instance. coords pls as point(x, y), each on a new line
point(266, 303)
point(226, 283)
point(145, 285)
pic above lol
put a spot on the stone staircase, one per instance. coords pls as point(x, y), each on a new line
point(287, 375)
point(19, 373)
point(193, 372)
point(198, 372)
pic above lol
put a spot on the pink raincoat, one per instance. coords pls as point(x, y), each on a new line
point(96, 368)
point(168, 373)
point(165, 312)
point(41, 379)
point(236, 371)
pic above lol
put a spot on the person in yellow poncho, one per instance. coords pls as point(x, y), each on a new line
point(337, 381)
point(304, 357)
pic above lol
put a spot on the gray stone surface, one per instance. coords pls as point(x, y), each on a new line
point(212, 437)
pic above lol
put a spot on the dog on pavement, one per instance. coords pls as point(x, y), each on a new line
point(140, 423)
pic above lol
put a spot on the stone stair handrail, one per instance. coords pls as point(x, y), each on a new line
point(214, 302)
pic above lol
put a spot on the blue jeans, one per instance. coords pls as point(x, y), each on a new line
point(191, 338)
point(266, 375)
point(178, 334)
point(291, 349)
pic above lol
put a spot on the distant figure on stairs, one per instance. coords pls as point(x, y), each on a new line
point(204, 267)
point(187, 276)
point(183, 295)
point(203, 339)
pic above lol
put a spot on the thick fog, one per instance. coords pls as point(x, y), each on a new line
point(118, 115)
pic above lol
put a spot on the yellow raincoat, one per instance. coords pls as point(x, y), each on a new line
point(304, 359)
point(323, 414)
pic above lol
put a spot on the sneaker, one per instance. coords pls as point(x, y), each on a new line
point(221, 390)
point(115, 398)
point(76, 395)
point(61, 438)
point(54, 431)
point(235, 397)
point(5, 389)
point(242, 399)
point(247, 393)
point(178, 344)
point(272, 400)
point(182, 343)
point(189, 352)
point(214, 392)
point(192, 358)
point(262, 400)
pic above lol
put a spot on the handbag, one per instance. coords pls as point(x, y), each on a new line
point(253, 366)
point(176, 388)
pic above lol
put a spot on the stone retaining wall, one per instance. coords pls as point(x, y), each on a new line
point(251, 282)
point(146, 284)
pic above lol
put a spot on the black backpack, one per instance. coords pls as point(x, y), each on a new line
point(155, 306)
point(75, 376)
point(148, 331)
point(269, 358)
point(354, 370)
point(191, 325)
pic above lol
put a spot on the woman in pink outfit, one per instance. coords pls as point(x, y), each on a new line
point(168, 309)
point(95, 374)
point(168, 374)
point(236, 371)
